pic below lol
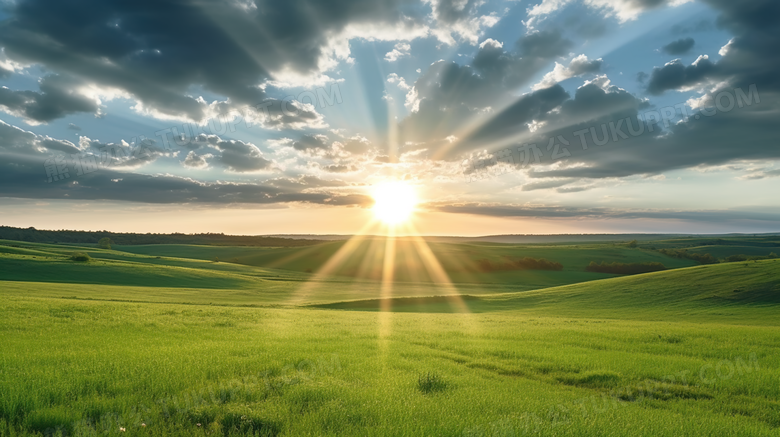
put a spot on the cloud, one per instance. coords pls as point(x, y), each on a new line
point(195, 161)
point(578, 66)
point(242, 157)
point(762, 174)
point(545, 212)
point(623, 10)
point(544, 185)
point(124, 154)
point(225, 47)
point(399, 51)
point(400, 82)
point(627, 145)
point(675, 75)
point(599, 111)
point(355, 145)
point(23, 174)
point(311, 142)
point(339, 168)
point(72, 126)
point(749, 58)
point(566, 190)
point(26, 179)
point(460, 18)
point(58, 97)
point(20, 142)
point(448, 96)
point(679, 47)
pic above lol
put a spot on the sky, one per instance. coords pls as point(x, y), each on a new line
point(281, 117)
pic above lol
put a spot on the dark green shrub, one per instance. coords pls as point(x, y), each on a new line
point(624, 269)
point(705, 258)
point(105, 243)
point(430, 382)
point(80, 257)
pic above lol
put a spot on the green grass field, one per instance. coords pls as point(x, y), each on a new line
point(160, 340)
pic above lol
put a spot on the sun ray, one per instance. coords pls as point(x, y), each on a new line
point(435, 270)
point(331, 265)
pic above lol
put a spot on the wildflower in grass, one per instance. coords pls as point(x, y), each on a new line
point(143, 425)
point(122, 429)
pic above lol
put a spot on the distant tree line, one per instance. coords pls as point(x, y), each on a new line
point(33, 235)
point(527, 263)
point(705, 258)
point(624, 269)
point(738, 258)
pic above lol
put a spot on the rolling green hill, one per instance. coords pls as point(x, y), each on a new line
point(737, 290)
point(459, 261)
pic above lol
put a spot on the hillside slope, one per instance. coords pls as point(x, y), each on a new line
point(732, 289)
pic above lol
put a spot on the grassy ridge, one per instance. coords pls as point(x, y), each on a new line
point(744, 291)
point(460, 261)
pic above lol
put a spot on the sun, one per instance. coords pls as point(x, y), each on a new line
point(394, 202)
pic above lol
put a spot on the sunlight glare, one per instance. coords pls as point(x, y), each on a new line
point(394, 202)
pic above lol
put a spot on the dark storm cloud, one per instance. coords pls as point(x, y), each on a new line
point(675, 75)
point(713, 139)
point(56, 99)
point(679, 47)
point(58, 145)
point(21, 142)
point(24, 176)
point(751, 57)
point(156, 50)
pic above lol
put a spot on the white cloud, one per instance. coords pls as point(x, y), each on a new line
point(578, 66)
point(398, 81)
point(399, 51)
point(624, 10)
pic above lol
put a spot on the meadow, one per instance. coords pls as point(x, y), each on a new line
point(162, 340)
